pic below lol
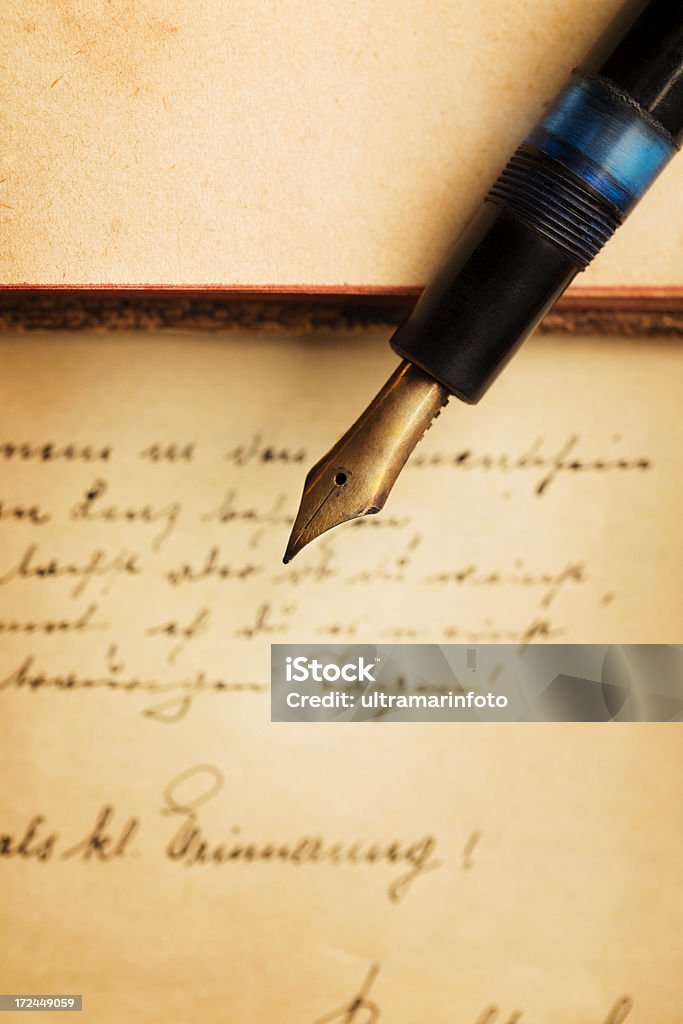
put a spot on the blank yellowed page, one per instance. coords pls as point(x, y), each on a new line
point(281, 142)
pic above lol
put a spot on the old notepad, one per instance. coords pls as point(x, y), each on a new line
point(282, 144)
point(148, 485)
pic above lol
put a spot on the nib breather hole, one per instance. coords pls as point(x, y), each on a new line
point(340, 479)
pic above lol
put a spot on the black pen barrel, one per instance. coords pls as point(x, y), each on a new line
point(640, 53)
point(564, 192)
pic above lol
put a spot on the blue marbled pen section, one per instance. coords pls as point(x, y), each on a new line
point(603, 140)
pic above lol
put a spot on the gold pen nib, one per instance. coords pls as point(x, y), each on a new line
point(355, 477)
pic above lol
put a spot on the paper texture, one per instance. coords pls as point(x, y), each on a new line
point(171, 854)
point(279, 142)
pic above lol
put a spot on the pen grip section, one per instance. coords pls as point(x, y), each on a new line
point(490, 294)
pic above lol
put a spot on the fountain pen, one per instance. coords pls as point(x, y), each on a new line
point(566, 189)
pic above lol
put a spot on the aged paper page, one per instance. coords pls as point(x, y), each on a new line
point(281, 142)
point(172, 855)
